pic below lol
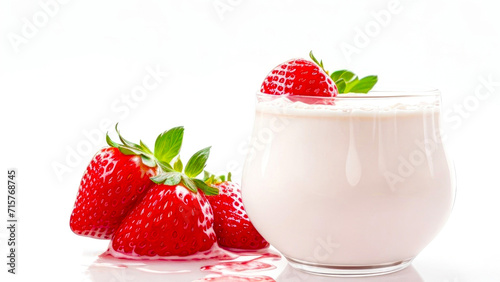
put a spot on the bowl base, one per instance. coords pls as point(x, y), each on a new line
point(348, 271)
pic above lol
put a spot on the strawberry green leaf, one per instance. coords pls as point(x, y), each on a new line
point(168, 144)
point(319, 63)
point(341, 85)
point(145, 148)
point(148, 160)
point(208, 178)
point(170, 177)
point(197, 162)
point(159, 179)
point(173, 179)
point(313, 58)
point(211, 180)
point(189, 184)
point(206, 175)
point(166, 167)
point(125, 141)
point(365, 84)
point(111, 142)
point(129, 151)
point(208, 190)
point(178, 166)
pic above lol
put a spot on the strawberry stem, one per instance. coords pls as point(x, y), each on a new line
point(347, 81)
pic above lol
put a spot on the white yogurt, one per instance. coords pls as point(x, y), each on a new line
point(362, 182)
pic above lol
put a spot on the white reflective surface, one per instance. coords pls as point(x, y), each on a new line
point(85, 265)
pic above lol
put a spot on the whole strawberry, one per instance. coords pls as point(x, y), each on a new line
point(116, 179)
point(232, 225)
point(173, 219)
point(169, 221)
point(300, 77)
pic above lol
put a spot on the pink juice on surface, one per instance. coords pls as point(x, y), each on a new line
point(358, 184)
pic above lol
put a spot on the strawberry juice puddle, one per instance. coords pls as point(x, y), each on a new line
point(217, 264)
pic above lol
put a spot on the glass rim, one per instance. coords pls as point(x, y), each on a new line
point(379, 94)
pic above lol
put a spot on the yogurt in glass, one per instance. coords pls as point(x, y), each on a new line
point(352, 185)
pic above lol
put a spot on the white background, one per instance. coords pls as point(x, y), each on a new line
point(68, 67)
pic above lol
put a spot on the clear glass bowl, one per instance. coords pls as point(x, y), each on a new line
point(354, 185)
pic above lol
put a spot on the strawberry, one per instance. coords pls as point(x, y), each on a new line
point(169, 221)
point(232, 225)
point(173, 219)
point(115, 180)
point(300, 77)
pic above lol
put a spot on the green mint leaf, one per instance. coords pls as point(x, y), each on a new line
point(178, 166)
point(351, 84)
point(189, 183)
point(208, 190)
point(347, 81)
point(341, 85)
point(111, 142)
point(168, 144)
point(197, 162)
point(336, 75)
point(348, 76)
point(365, 84)
point(229, 176)
point(148, 161)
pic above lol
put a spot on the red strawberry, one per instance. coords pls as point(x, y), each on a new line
point(169, 221)
point(299, 77)
point(232, 225)
point(173, 219)
point(110, 187)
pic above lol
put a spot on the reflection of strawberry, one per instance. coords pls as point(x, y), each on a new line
point(115, 180)
point(174, 218)
point(232, 225)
